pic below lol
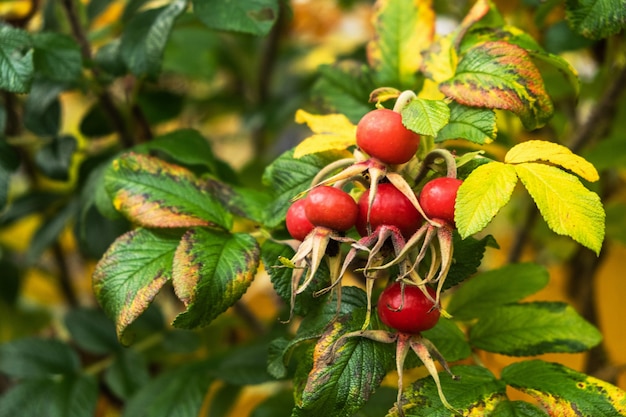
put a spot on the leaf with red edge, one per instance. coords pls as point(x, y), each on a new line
point(500, 75)
point(212, 270)
point(155, 193)
point(132, 272)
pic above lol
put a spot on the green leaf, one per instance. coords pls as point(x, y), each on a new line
point(212, 270)
point(9, 161)
point(92, 331)
point(42, 109)
point(288, 177)
point(57, 57)
point(608, 153)
point(343, 88)
point(34, 357)
point(255, 17)
point(127, 374)
point(517, 409)
point(70, 396)
point(567, 206)
point(449, 340)
point(476, 391)
point(277, 405)
point(48, 233)
point(181, 55)
point(16, 60)
point(483, 193)
point(596, 19)
point(426, 117)
point(154, 193)
point(564, 391)
point(244, 365)
point(474, 124)
point(468, 255)
point(96, 123)
point(159, 106)
point(533, 328)
point(402, 27)
point(509, 284)
point(132, 272)
point(54, 159)
point(178, 392)
point(145, 36)
point(341, 385)
point(500, 75)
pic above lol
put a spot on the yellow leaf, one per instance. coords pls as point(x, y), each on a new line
point(540, 150)
point(331, 132)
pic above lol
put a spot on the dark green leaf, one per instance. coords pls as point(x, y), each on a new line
point(57, 57)
point(178, 392)
point(10, 282)
point(145, 36)
point(154, 193)
point(16, 59)
point(54, 159)
point(132, 272)
point(288, 177)
point(426, 117)
point(109, 59)
point(476, 391)
point(95, 232)
point(379, 403)
point(92, 331)
point(244, 365)
point(127, 374)
point(160, 105)
point(255, 17)
point(96, 7)
point(533, 328)
point(596, 19)
point(564, 391)
point(477, 125)
point(488, 290)
point(449, 340)
point(48, 233)
point(70, 396)
point(277, 405)
point(517, 409)
point(96, 123)
point(34, 357)
point(9, 161)
point(212, 270)
point(42, 110)
point(468, 254)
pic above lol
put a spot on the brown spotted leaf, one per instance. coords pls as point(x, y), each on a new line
point(212, 270)
point(564, 391)
point(154, 193)
point(501, 75)
point(132, 272)
point(404, 28)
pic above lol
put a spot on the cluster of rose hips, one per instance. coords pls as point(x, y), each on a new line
point(397, 227)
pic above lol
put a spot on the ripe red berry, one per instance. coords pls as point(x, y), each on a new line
point(331, 207)
point(381, 134)
point(390, 207)
point(298, 225)
point(408, 311)
point(438, 198)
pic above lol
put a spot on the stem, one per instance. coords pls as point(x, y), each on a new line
point(64, 275)
point(403, 99)
point(430, 159)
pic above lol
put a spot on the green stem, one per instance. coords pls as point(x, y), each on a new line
point(403, 99)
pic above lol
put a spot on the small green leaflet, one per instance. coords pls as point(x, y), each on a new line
point(488, 290)
point(57, 57)
point(426, 117)
point(476, 391)
point(255, 17)
point(477, 125)
point(567, 206)
point(154, 193)
point(564, 391)
point(33, 357)
point(596, 19)
point(16, 60)
point(402, 28)
point(145, 37)
point(211, 271)
point(131, 273)
point(533, 328)
point(449, 340)
point(501, 75)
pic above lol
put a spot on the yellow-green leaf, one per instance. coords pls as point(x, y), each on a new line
point(567, 206)
point(331, 132)
point(483, 193)
point(541, 150)
point(441, 60)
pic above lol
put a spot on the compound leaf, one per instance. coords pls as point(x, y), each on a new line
point(541, 150)
point(533, 328)
point(426, 117)
point(330, 132)
point(565, 391)
point(211, 271)
point(131, 273)
point(16, 60)
point(567, 206)
point(483, 193)
point(501, 75)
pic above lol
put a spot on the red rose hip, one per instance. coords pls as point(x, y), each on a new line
point(298, 225)
point(408, 311)
point(331, 207)
point(438, 198)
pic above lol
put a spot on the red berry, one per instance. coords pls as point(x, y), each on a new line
point(438, 198)
point(331, 207)
point(391, 208)
point(411, 312)
point(381, 134)
point(298, 225)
